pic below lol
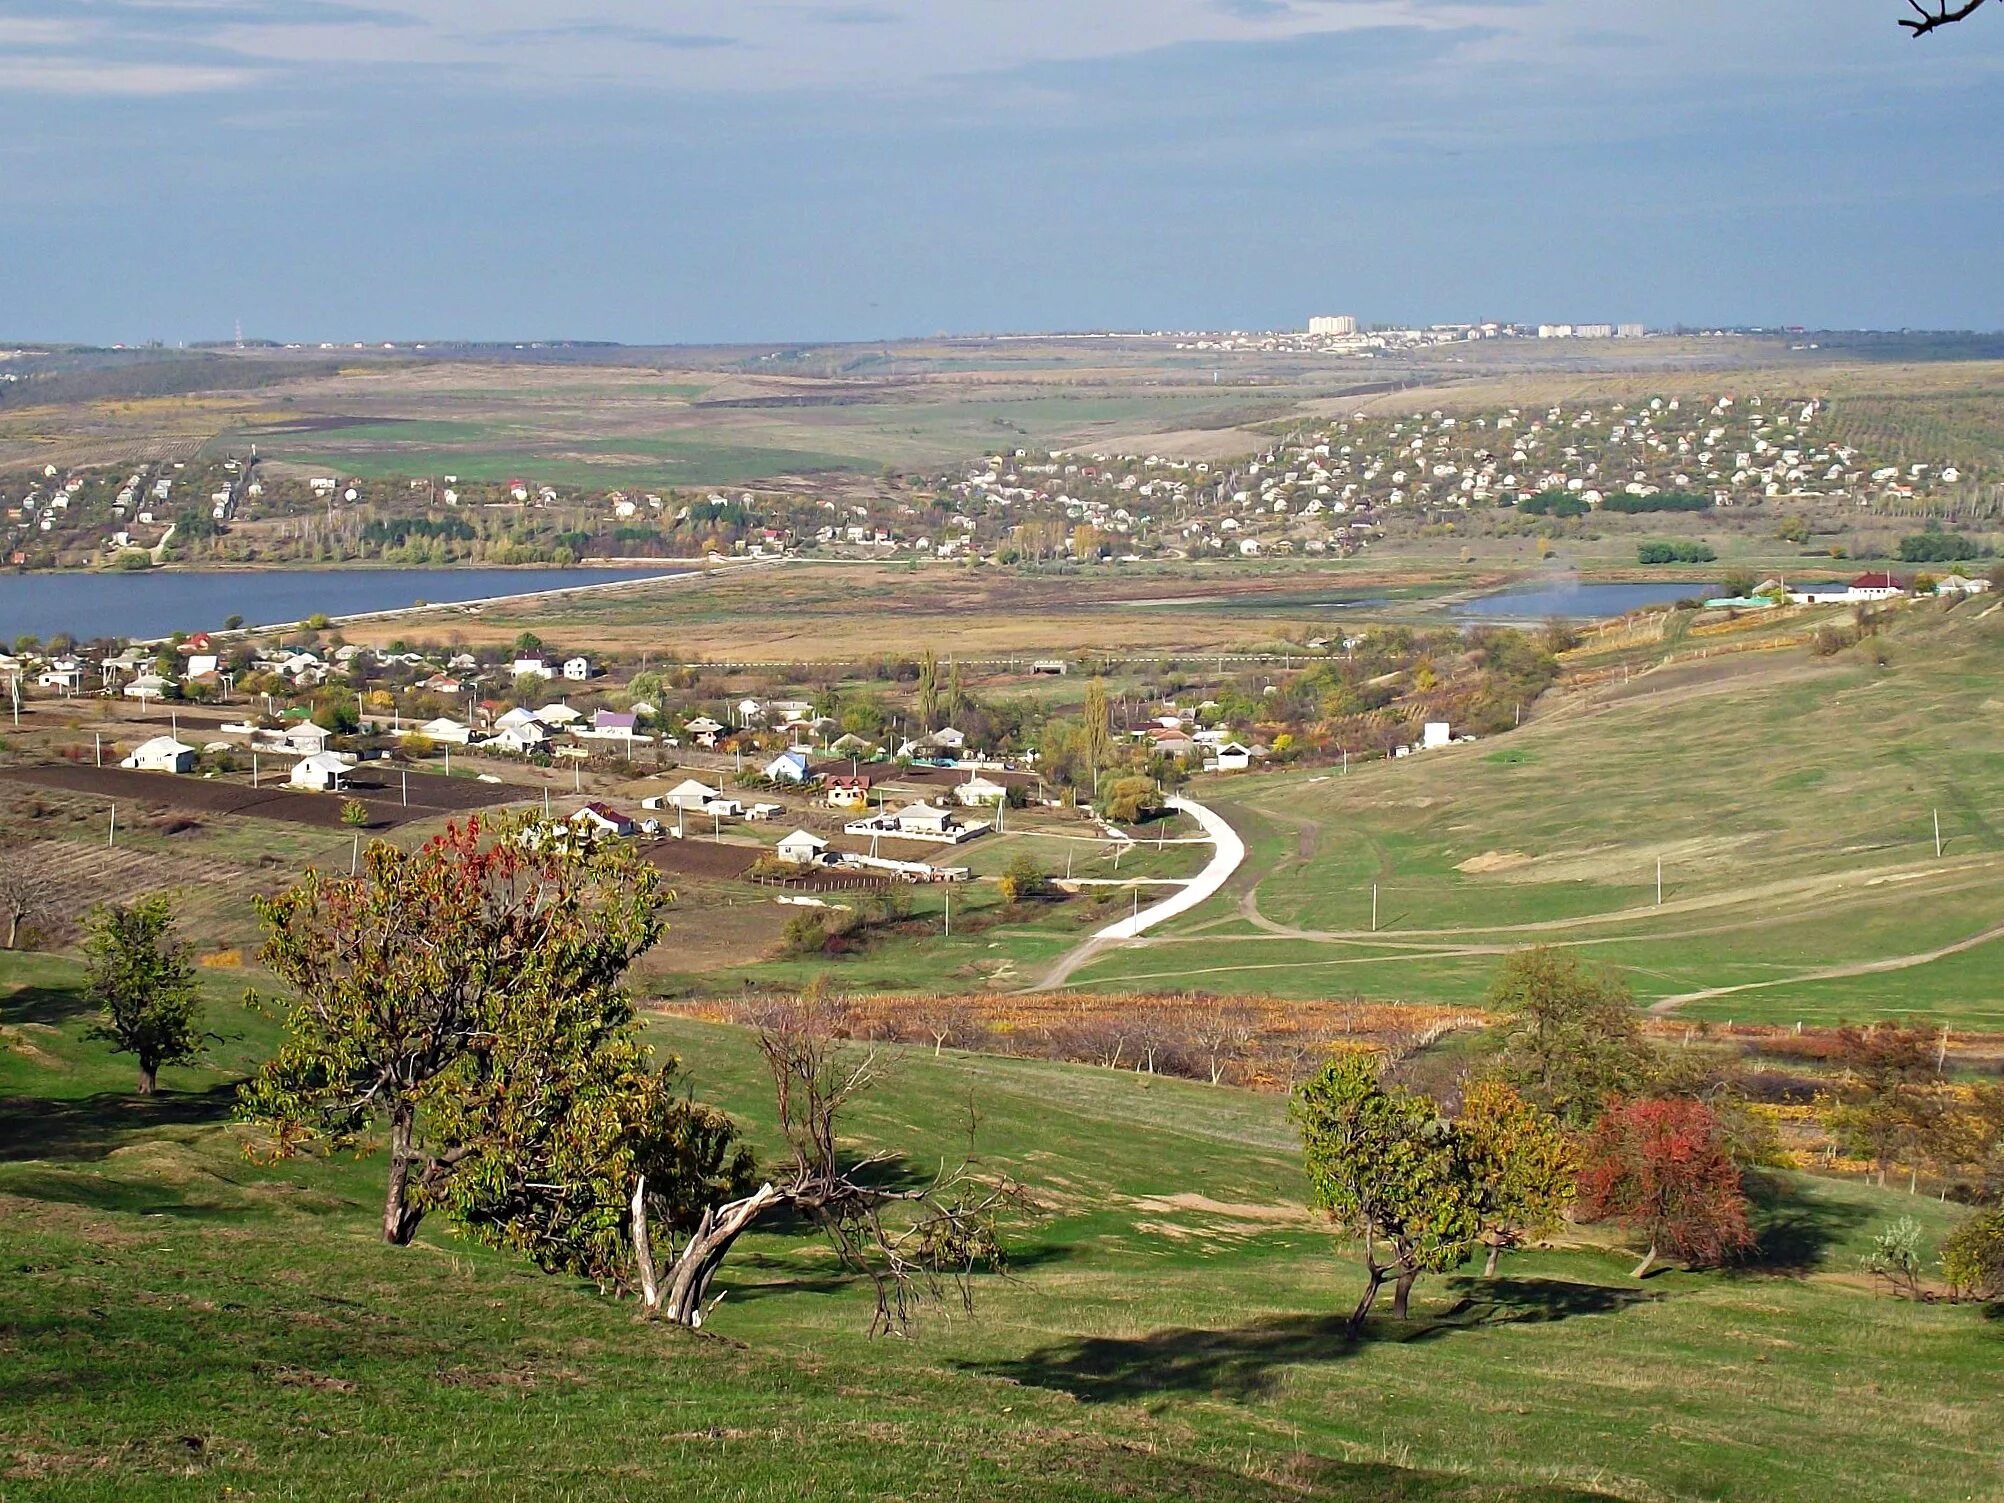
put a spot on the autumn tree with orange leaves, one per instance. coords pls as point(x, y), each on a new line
point(459, 996)
point(1664, 1169)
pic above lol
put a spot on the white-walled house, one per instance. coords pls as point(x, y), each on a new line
point(689, 794)
point(444, 730)
point(161, 754)
point(1231, 756)
point(789, 766)
point(979, 793)
point(1436, 734)
point(803, 848)
point(531, 667)
point(323, 772)
point(599, 820)
point(577, 669)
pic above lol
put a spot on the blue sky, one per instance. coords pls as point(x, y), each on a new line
point(695, 170)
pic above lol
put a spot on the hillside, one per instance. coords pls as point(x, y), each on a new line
point(184, 1323)
point(1790, 799)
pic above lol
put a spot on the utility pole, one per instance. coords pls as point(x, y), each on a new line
point(407, 786)
point(1374, 908)
point(111, 833)
point(1659, 881)
point(949, 910)
point(1937, 834)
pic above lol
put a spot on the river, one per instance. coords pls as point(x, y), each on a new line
point(162, 601)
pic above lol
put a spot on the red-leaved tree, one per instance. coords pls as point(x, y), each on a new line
point(1662, 1168)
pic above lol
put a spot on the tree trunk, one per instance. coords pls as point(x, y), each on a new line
point(400, 1219)
point(1374, 1278)
point(149, 1073)
point(1648, 1262)
point(704, 1252)
point(13, 927)
point(1489, 1263)
point(1402, 1291)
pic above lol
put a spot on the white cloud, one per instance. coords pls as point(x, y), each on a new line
point(82, 77)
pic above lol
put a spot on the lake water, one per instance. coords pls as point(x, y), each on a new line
point(160, 602)
point(1576, 602)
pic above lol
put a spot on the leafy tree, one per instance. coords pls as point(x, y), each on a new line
point(141, 977)
point(1570, 1036)
point(354, 813)
point(1973, 1256)
point(1024, 880)
point(928, 690)
point(1388, 1169)
point(1662, 1169)
point(1130, 800)
point(414, 978)
point(1891, 1105)
point(1738, 583)
point(1524, 1166)
point(1096, 728)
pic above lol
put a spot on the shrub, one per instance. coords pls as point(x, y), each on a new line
point(1896, 1257)
point(1661, 501)
point(1934, 546)
point(1675, 552)
point(1973, 1257)
point(1553, 503)
point(1024, 880)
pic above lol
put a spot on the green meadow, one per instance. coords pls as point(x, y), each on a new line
point(1789, 807)
point(184, 1322)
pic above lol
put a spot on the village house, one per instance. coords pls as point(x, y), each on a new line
point(790, 766)
point(597, 821)
point(532, 667)
point(980, 793)
point(323, 772)
point(161, 754)
point(802, 848)
point(688, 794)
point(444, 730)
point(848, 793)
point(616, 725)
point(578, 670)
point(520, 739)
point(147, 686)
point(1231, 756)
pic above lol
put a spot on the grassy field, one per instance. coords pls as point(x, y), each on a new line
point(1790, 801)
point(184, 1323)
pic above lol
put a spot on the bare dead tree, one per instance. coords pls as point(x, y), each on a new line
point(1222, 1034)
point(1925, 20)
point(24, 888)
point(919, 1246)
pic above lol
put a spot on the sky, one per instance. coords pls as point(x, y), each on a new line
point(657, 171)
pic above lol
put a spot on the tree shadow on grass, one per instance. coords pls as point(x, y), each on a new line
point(1244, 1362)
point(89, 1127)
point(45, 1004)
point(1794, 1233)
